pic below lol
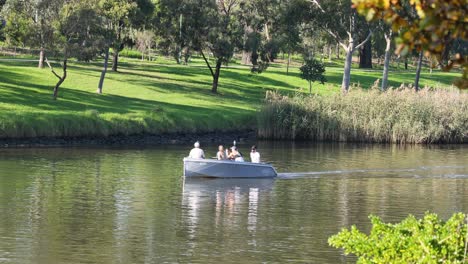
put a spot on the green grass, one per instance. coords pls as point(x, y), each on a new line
point(153, 97)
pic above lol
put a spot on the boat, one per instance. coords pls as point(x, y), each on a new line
point(214, 186)
point(211, 168)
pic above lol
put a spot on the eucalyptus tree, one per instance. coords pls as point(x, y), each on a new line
point(221, 35)
point(340, 20)
point(120, 17)
point(430, 26)
point(212, 27)
point(77, 32)
point(269, 26)
point(30, 23)
point(177, 23)
point(291, 15)
point(256, 19)
point(388, 36)
point(259, 19)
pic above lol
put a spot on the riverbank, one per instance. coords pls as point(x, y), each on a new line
point(134, 140)
point(152, 98)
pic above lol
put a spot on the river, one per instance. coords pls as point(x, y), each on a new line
point(131, 205)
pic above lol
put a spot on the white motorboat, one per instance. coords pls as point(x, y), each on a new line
point(227, 169)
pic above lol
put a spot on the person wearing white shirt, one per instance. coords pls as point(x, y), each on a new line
point(197, 152)
point(235, 155)
point(254, 155)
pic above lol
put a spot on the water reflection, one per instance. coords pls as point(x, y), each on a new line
point(225, 197)
point(133, 206)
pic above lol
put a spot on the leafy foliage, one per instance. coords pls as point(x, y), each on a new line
point(428, 240)
point(429, 25)
point(313, 71)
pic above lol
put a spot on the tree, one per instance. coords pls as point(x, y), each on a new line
point(177, 23)
point(291, 15)
point(365, 56)
point(341, 22)
point(435, 27)
point(119, 16)
point(144, 41)
point(313, 71)
point(213, 27)
point(388, 44)
point(33, 23)
point(2, 21)
point(222, 37)
point(77, 33)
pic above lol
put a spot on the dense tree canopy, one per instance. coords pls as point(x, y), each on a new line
point(425, 25)
point(260, 30)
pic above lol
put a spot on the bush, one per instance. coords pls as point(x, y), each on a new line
point(428, 240)
point(397, 116)
point(312, 71)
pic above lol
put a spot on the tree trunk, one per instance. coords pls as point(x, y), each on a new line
point(41, 58)
point(446, 53)
point(310, 87)
point(406, 62)
point(418, 71)
point(214, 89)
point(115, 61)
point(337, 51)
point(329, 52)
point(246, 57)
point(104, 71)
point(347, 68)
point(365, 56)
point(267, 32)
point(388, 40)
point(289, 61)
point(187, 56)
point(61, 79)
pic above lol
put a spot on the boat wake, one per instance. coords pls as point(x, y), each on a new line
point(455, 172)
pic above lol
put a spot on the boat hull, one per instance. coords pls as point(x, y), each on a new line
point(227, 169)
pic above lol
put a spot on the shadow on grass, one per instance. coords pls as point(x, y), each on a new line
point(19, 90)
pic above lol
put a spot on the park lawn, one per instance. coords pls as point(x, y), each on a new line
point(154, 97)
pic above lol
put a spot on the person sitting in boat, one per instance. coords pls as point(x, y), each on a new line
point(221, 155)
point(235, 155)
point(197, 152)
point(254, 155)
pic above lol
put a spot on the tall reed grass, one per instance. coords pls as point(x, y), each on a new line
point(396, 116)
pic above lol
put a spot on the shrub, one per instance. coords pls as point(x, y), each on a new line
point(397, 115)
point(428, 240)
point(312, 71)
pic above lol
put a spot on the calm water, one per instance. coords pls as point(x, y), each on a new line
point(129, 205)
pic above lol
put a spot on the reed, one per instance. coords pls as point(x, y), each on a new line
point(395, 116)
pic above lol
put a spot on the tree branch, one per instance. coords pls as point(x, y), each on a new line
point(207, 63)
point(335, 37)
point(52, 69)
point(364, 42)
point(315, 2)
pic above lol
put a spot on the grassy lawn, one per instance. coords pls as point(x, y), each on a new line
point(154, 97)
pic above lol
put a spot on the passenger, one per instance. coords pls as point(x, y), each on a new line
point(220, 155)
point(235, 155)
point(197, 152)
point(254, 155)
